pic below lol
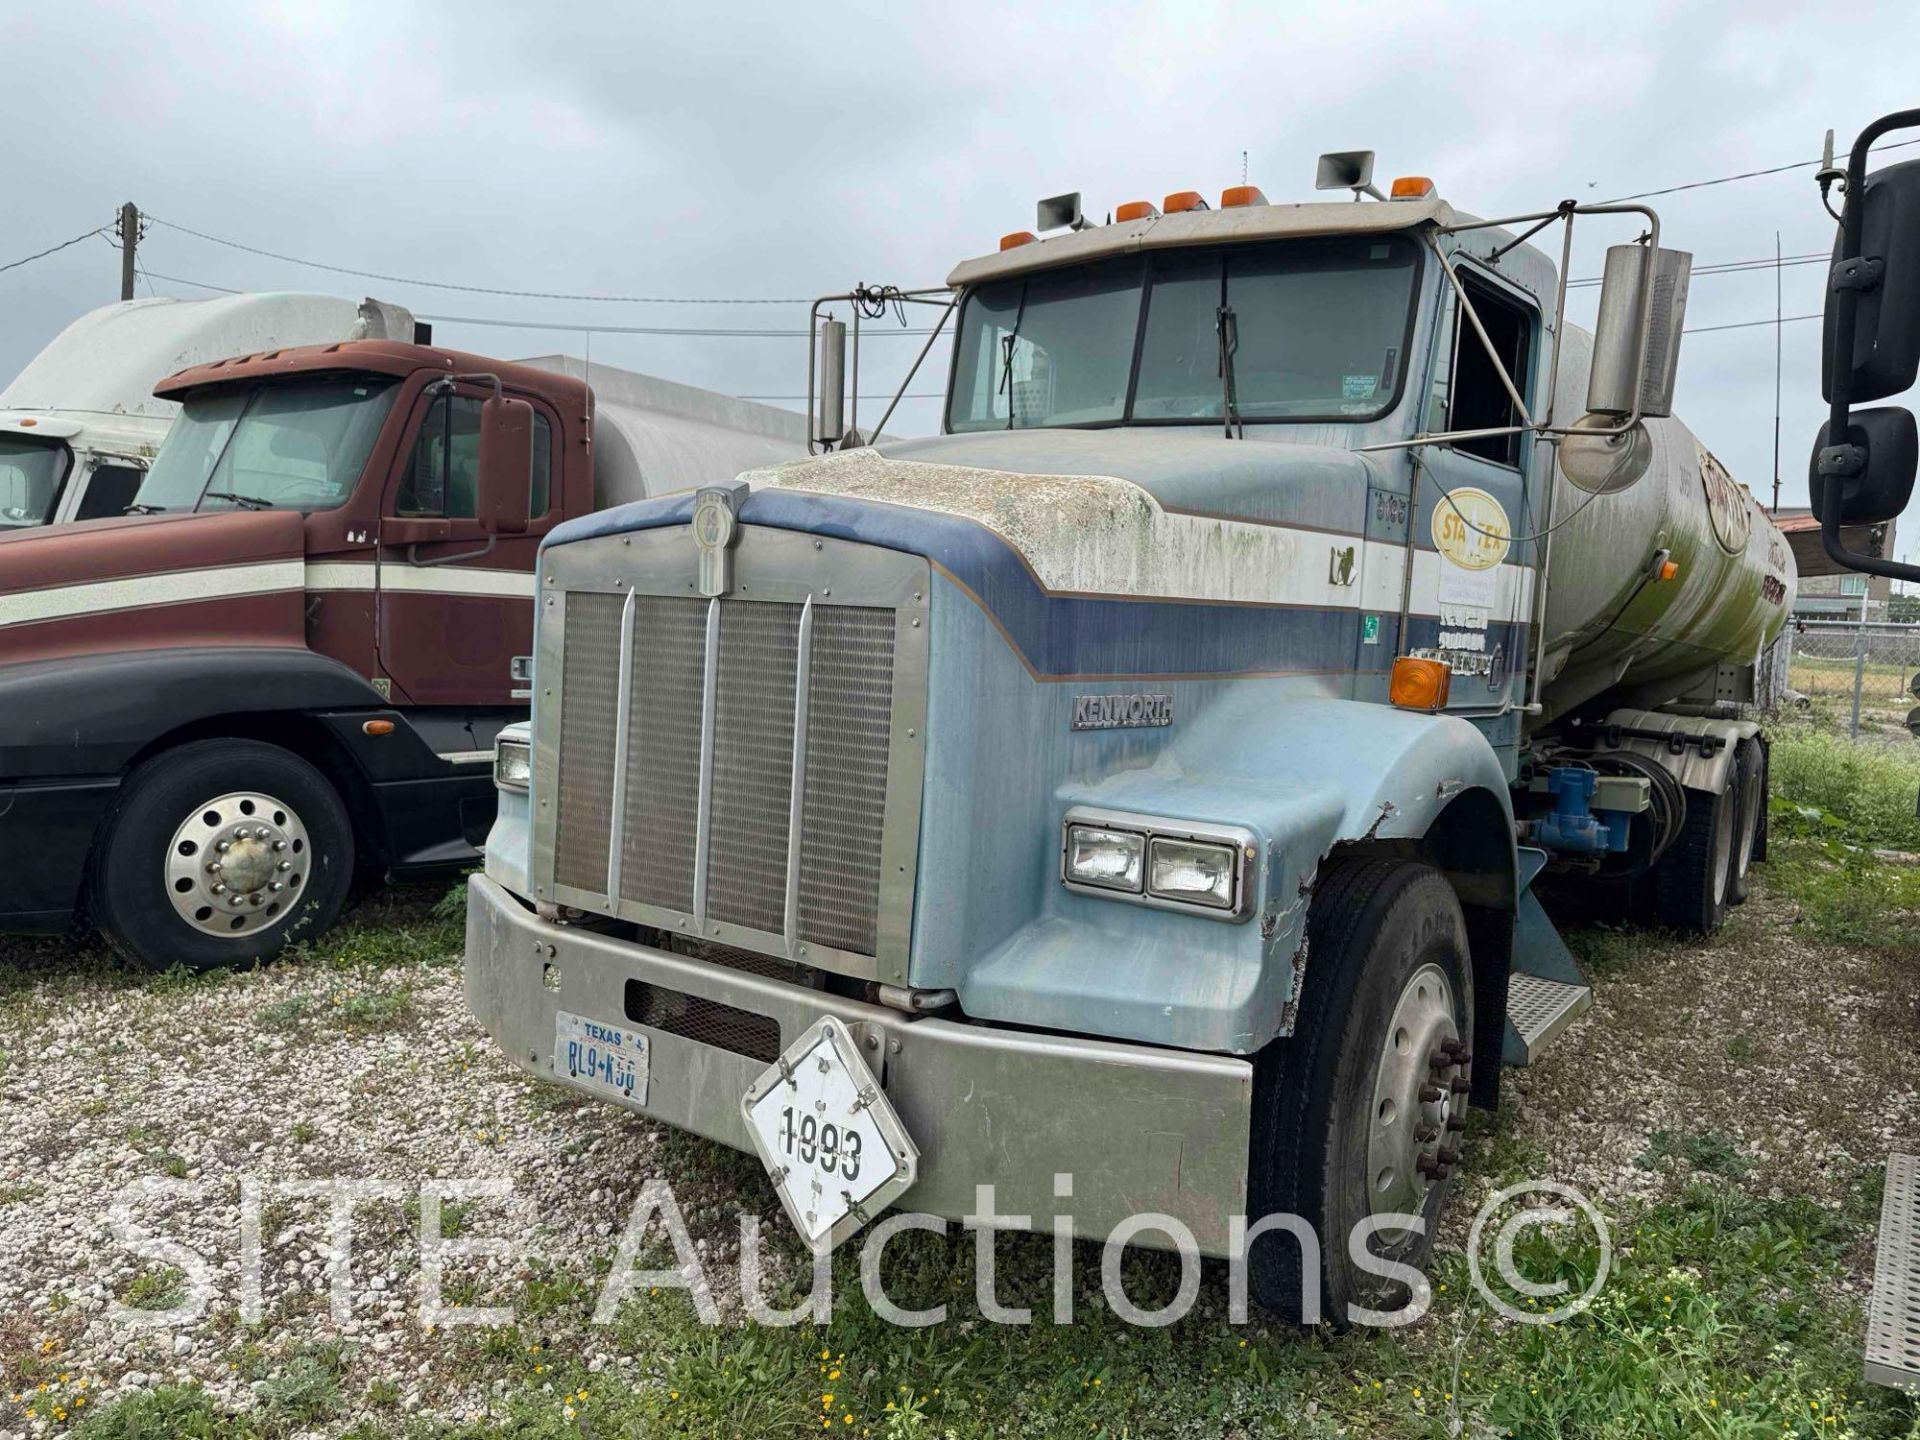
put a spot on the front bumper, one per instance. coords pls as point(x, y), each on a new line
point(1139, 1129)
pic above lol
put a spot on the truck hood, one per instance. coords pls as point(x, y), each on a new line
point(1180, 514)
point(145, 580)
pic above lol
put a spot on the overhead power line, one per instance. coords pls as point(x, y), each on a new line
point(478, 289)
point(1748, 324)
point(1743, 175)
point(42, 254)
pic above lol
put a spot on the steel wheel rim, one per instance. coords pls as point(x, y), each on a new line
point(237, 863)
point(1408, 1126)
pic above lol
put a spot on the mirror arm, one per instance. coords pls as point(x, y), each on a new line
point(1863, 564)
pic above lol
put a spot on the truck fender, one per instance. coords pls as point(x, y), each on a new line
point(1313, 776)
point(90, 715)
point(1711, 773)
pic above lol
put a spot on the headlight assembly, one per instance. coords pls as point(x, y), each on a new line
point(1168, 864)
point(512, 763)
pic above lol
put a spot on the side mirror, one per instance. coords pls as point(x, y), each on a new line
point(1618, 375)
point(1886, 275)
point(1887, 444)
point(504, 484)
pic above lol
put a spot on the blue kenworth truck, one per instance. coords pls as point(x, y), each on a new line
point(1150, 778)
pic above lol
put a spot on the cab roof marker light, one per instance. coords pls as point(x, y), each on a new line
point(1412, 187)
point(1136, 210)
point(1181, 201)
point(1017, 239)
point(1235, 196)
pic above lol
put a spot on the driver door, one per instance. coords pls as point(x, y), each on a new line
point(455, 604)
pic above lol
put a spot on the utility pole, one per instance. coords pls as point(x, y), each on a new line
point(129, 241)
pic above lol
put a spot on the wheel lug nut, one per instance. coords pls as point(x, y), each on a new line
point(224, 846)
point(1446, 1156)
point(1430, 1093)
point(1460, 1085)
point(1456, 1123)
point(219, 889)
point(286, 865)
point(279, 844)
point(1424, 1133)
point(1441, 1059)
point(275, 886)
point(213, 867)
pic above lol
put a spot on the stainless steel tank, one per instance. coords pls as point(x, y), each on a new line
point(1617, 633)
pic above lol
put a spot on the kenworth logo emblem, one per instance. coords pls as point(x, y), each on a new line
point(1121, 712)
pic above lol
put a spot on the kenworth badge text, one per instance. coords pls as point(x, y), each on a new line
point(1151, 778)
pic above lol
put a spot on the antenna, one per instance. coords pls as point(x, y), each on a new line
point(1828, 172)
point(1243, 167)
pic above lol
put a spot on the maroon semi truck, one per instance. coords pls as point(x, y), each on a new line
point(284, 671)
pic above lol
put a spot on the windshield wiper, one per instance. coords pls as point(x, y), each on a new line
point(249, 502)
point(138, 509)
point(1229, 329)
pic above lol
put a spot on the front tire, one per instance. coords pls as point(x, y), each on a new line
point(220, 853)
point(1357, 1114)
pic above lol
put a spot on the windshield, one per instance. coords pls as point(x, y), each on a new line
point(31, 473)
point(291, 446)
point(1318, 330)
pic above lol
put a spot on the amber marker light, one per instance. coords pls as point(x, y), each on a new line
point(1411, 187)
point(1016, 239)
point(1669, 569)
point(1135, 210)
point(1419, 684)
point(1234, 196)
point(1181, 201)
point(376, 727)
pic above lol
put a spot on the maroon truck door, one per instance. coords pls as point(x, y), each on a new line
point(453, 609)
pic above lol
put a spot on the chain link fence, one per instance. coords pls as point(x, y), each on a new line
point(1866, 669)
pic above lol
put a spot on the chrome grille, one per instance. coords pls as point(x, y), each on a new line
point(753, 764)
point(850, 713)
point(732, 761)
point(589, 678)
point(662, 800)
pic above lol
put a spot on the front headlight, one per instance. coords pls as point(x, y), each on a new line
point(1110, 859)
point(512, 763)
point(1168, 864)
point(1189, 871)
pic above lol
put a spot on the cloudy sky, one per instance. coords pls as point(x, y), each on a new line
point(779, 150)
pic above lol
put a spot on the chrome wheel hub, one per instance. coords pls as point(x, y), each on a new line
point(237, 864)
point(1419, 1099)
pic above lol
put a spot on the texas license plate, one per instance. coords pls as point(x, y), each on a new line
point(600, 1055)
point(832, 1143)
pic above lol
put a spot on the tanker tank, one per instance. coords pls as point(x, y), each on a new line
point(1617, 632)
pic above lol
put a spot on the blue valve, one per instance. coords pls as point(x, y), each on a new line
point(1574, 824)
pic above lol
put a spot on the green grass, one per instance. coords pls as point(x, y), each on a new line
point(1869, 789)
point(156, 1290)
point(1720, 1317)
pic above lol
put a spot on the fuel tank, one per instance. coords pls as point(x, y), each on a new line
point(1621, 627)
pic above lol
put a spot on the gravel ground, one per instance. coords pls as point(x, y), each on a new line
point(321, 1068)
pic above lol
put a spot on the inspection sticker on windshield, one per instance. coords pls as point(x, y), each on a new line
point(1358, 387)
point(824, 1129)
point(600, 1055)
